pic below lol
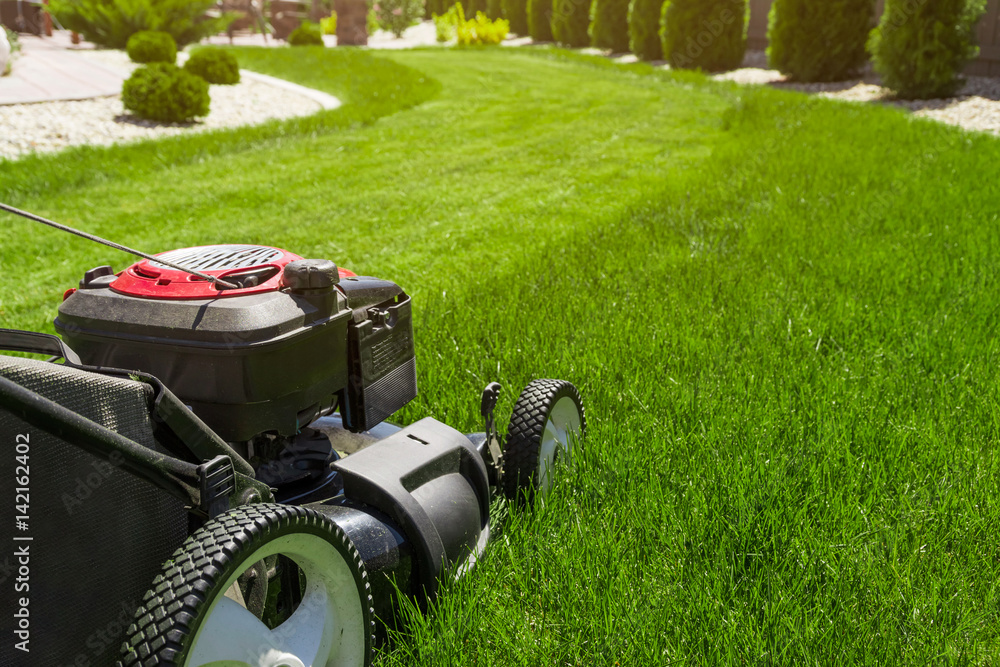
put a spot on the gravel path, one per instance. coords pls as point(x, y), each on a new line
point(975, 107)
point(52, 126)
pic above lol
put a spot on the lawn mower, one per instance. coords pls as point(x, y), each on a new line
point(203, 470)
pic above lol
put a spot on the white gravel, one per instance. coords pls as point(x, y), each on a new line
point(975, 107)
point(52, 126)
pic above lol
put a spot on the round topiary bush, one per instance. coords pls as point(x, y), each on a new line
point(919, 48)
point(214, 66)
point(151, 46)
point(610, 27)
point(165, 92)
point(540, 20)
point(819, 41)
point(571, 22)
point(644, 29)
point(704, 34)
point(307, 34)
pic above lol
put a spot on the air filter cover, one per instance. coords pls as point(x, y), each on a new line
point(263, 357)
point(254, 269)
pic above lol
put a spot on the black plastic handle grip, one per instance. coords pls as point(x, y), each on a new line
point(37, 343)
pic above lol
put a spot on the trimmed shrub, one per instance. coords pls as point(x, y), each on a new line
point(480, 31)
point(398, 15)
point(111, 22)
point(307, 34)
point(151, 46)
point(571, 22)
point(609, 29)
point(214, 66)
point(644, 29)
point(704, 34)
point(540, 20)
point(516, 12)
point(819, 41)
point(444, 26)
point(920, 48)
point(328, 25)
point(165, 92)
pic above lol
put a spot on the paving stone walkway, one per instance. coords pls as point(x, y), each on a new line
point(47, 70)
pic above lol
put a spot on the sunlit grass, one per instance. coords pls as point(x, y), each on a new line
point(781, 313)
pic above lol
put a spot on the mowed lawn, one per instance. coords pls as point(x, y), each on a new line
point(781, 312)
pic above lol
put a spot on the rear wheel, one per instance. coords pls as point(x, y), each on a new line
point(260, 586)
point(548, 419)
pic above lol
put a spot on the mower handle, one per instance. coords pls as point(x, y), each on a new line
point(37, 343)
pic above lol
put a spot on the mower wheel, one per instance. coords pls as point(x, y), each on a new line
point(316, 611)
point(548, 418)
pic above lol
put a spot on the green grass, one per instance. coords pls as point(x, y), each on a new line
point(369, 87)
point(781, 313)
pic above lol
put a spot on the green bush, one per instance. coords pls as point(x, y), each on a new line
point(214, 66)
point(151, 46)
point(919, 48)
point(480, 31)
point(609, 30)
point(516, 12)
point(328, 25)
point(307, 34)
point(111, 22)
point(444, 26)
point(398, 15)
point(571, 22)
point(704, 34)
point(165, 92)
point(540, 20)
point(819, 41)
point(644, 29)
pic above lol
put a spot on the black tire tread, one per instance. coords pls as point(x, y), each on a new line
point(171, 609)
point(527, 423)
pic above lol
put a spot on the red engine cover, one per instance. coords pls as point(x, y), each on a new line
point(259, 268)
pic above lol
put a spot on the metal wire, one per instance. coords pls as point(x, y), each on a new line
point(116, 246)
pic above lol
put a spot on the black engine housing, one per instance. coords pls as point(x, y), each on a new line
point(268, 362)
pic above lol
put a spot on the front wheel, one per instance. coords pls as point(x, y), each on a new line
point(548, 419)
point(260, 586)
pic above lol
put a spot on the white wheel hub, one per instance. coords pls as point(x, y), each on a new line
point(562, 426)
point(326, 630)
